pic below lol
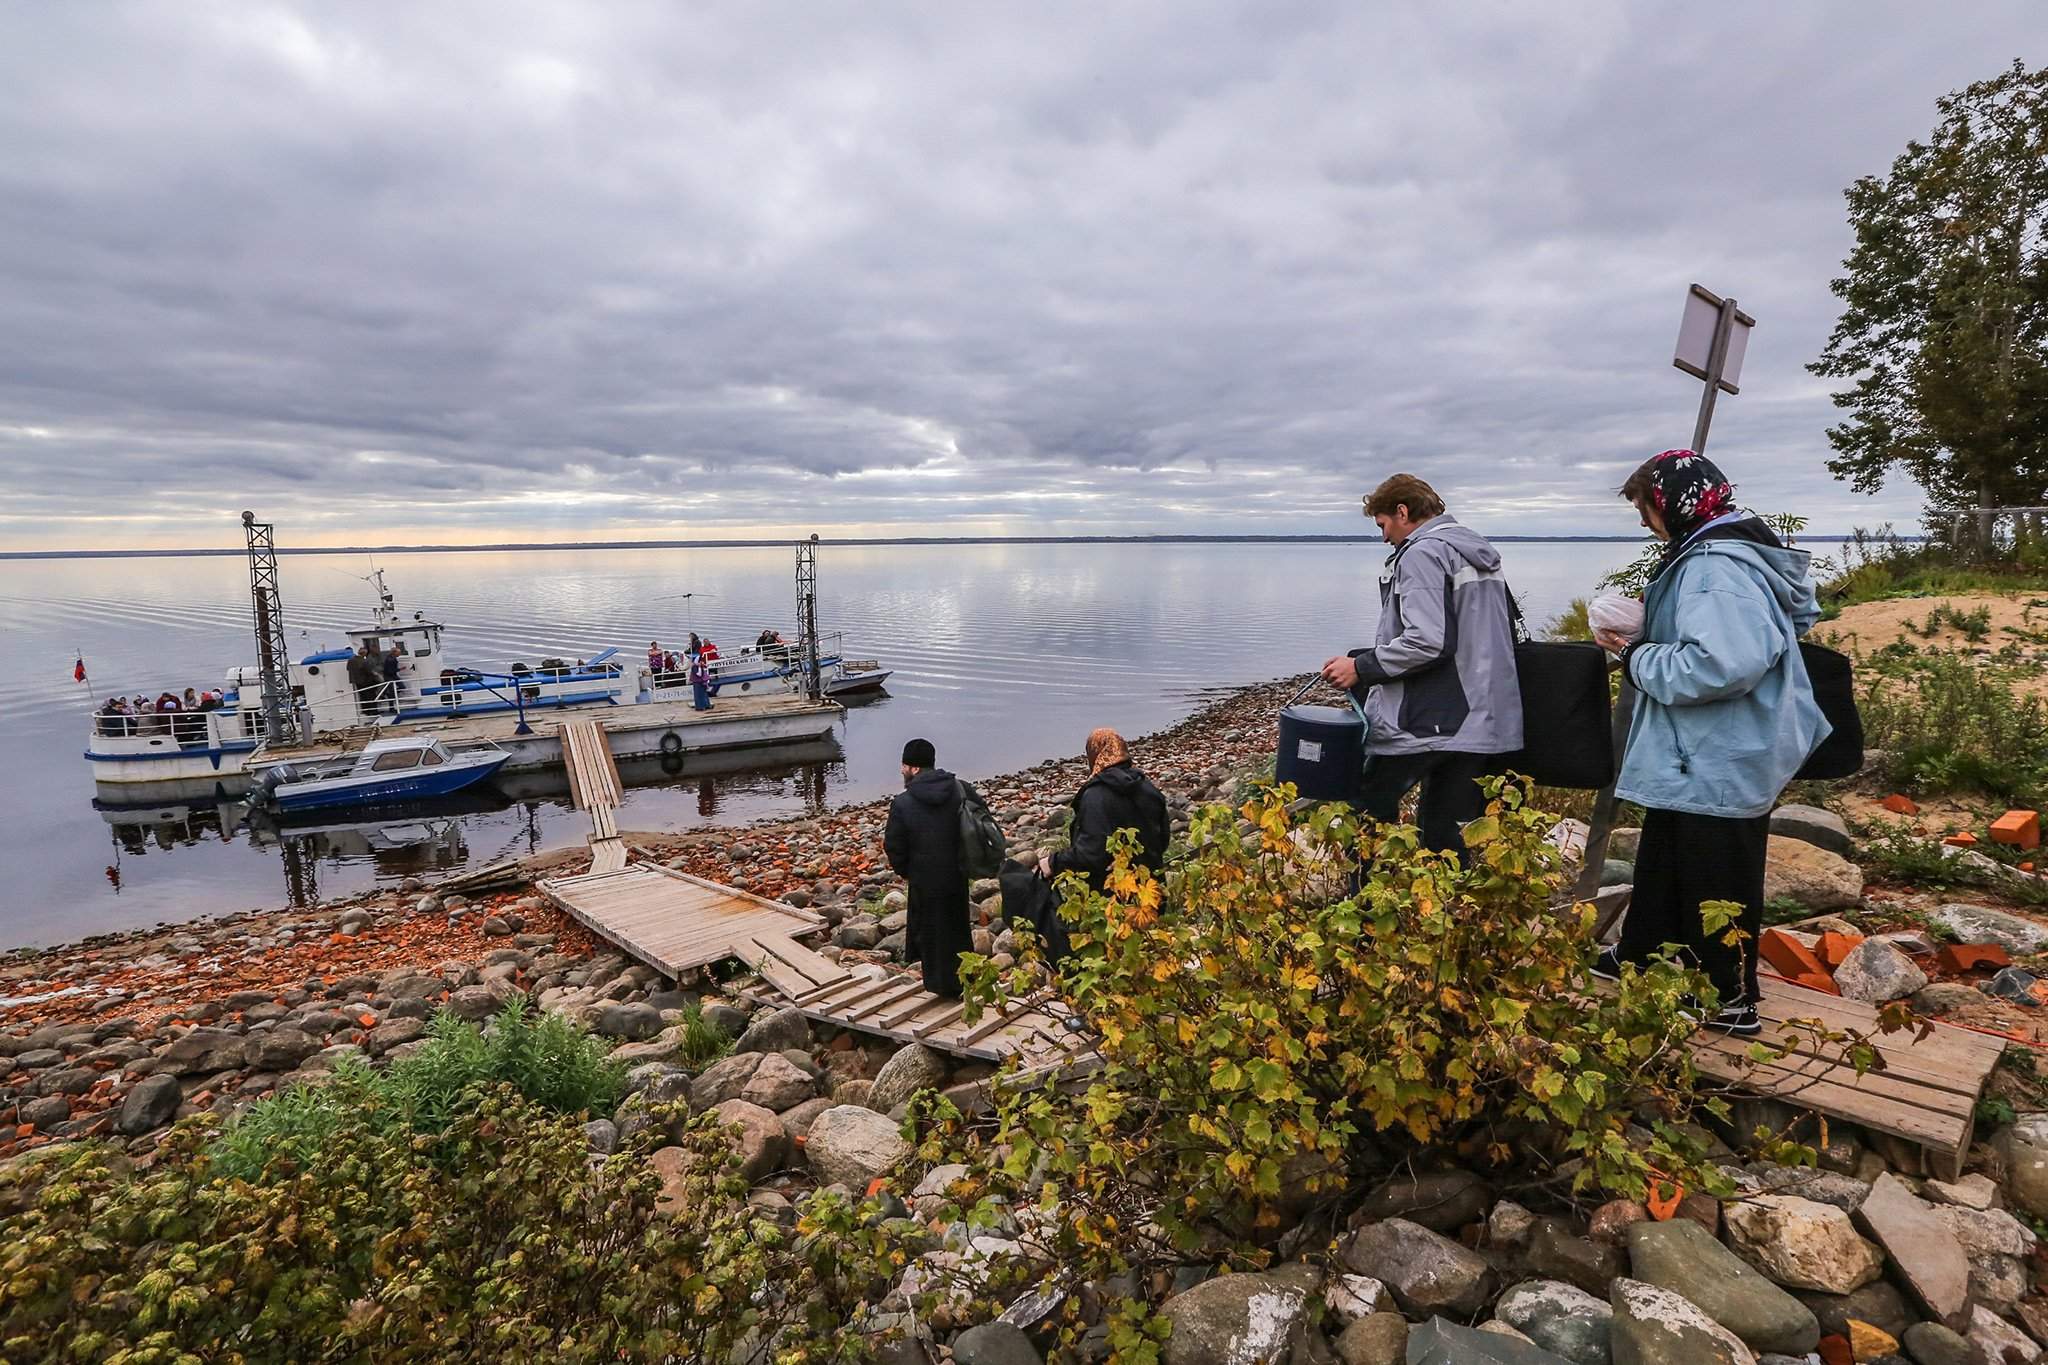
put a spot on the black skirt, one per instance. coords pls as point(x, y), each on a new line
point(1683, 860)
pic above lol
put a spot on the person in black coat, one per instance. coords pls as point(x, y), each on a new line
point(923, 844)
point(1115, 796)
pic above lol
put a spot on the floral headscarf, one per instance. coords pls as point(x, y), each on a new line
point(1105, 749)
point(1688, 490)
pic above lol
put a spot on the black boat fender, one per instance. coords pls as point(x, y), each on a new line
point(671, 743)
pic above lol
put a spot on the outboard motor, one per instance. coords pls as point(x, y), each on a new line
point(265, 791)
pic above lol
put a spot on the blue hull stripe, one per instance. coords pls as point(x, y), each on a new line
point(412, 787)
point(166, 756)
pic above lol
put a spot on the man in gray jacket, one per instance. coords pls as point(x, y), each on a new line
point(1441, 699)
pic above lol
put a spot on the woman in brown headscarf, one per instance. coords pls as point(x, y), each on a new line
point(1115, 796)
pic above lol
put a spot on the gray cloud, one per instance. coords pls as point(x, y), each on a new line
point(464, 271)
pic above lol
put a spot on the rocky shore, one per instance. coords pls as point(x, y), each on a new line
point(1871, 1257)
point(363, 973)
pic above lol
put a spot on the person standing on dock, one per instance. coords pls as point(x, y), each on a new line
point(1441, 697)
point(922, 841)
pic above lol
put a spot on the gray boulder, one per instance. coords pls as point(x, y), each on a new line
point(1930, 1343)
point(1438, 1342)
point(1560, 1317)
point(2023, 1145)
point(602, 1135)
point(1999, 1340)
point(633, 1023)
point(150, 1105)
point(1657, 1326)
point(1877, 972)
point(1427, 1273)
point(758, 1137)
point(1878, 1303)
point(1801, 1243)
point(1926, 1256)
point(785, 1028)
point(911, 1069)
point(725, 1079)
point(1375, 1339)
point(1239, 1319)
point(279, 1049)
point(1555, 1253)
point(851, 1146)
point(1982, 924)
point(1442, 1201)
point(995, 1343)
point(1683, 1257)
point(1812, 825)
point(778, 1084)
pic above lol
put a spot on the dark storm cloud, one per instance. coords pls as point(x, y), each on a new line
point(464, 271)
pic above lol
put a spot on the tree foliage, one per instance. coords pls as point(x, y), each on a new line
point(1943, 335)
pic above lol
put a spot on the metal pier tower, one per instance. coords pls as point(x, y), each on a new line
point(807, 613)
point(271, 655)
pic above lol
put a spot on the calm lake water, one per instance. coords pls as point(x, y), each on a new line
point(1004, 655)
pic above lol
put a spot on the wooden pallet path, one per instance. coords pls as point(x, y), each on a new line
point(895, 1005)
point(1927, 1092)
point(671, 920)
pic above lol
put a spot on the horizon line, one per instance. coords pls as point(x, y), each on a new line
point(784, 542)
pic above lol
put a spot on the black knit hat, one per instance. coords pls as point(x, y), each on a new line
point(919, 753)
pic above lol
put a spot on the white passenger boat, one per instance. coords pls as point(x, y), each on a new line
point(218, 742)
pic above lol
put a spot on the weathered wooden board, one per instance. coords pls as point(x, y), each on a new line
point(1926, 1093)
point(669, 920)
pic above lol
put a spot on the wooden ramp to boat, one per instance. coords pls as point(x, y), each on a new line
point(1927, 1092)
point(895, 1005)
point(594, 786)
point(671, 920)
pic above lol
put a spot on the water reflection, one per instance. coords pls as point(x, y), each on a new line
point(524, 812)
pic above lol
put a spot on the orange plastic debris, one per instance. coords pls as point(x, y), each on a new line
point(1963, 840)
point(1816, 981)
point(1663, 1198)
point(1964, 957)
point(367, 1020)
point(1834, 947)
point(1900, 805)
point(24, 1130)
point(2020, 828)
point(2026, 867)
point(876, 1186)
point(1791, 957)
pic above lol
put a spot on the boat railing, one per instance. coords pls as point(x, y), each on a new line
point(191, 729)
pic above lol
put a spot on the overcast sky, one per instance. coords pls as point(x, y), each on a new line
point(448, 272)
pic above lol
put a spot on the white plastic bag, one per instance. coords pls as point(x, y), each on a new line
point(1611, 611)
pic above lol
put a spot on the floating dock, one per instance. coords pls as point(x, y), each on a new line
point(665, 730)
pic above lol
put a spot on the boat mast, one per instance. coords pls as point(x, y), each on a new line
point(269, 613)
point(807, 612)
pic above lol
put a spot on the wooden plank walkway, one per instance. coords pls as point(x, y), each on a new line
point(594, 786)
point(1926, 1094)
point(670, 920)
point(873, 999)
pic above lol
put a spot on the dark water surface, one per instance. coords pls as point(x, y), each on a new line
point(1004, 655)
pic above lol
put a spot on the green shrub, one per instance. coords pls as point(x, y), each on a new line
point(498, 1239)
point(1947, 722)
point(703, 1042)
point(1571, 623)
point(544, 1057)
point(1295, 1009)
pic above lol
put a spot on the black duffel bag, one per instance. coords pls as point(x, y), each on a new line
point(1567, 717)
point(1834, 688)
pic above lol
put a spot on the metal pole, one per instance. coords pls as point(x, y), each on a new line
point(807, 613)
point(268, 603)
point(1717, 360)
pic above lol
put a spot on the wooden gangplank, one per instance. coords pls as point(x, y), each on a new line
point(594, 786)
point(670, 920)
point(1926, 1092)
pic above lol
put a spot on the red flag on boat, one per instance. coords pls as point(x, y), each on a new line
point(78, 670)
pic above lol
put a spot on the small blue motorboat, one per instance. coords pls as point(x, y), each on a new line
point(385, 772)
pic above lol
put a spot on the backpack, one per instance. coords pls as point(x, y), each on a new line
point(982, 845)
point(1834, 691)
point(1155, 829)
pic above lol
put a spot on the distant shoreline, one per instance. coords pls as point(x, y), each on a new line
point(777, 544)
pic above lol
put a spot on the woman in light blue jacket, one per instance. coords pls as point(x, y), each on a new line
point(1724, 718)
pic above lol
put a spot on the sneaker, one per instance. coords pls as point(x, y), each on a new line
point(1740, 1020)
point(1607, 966)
